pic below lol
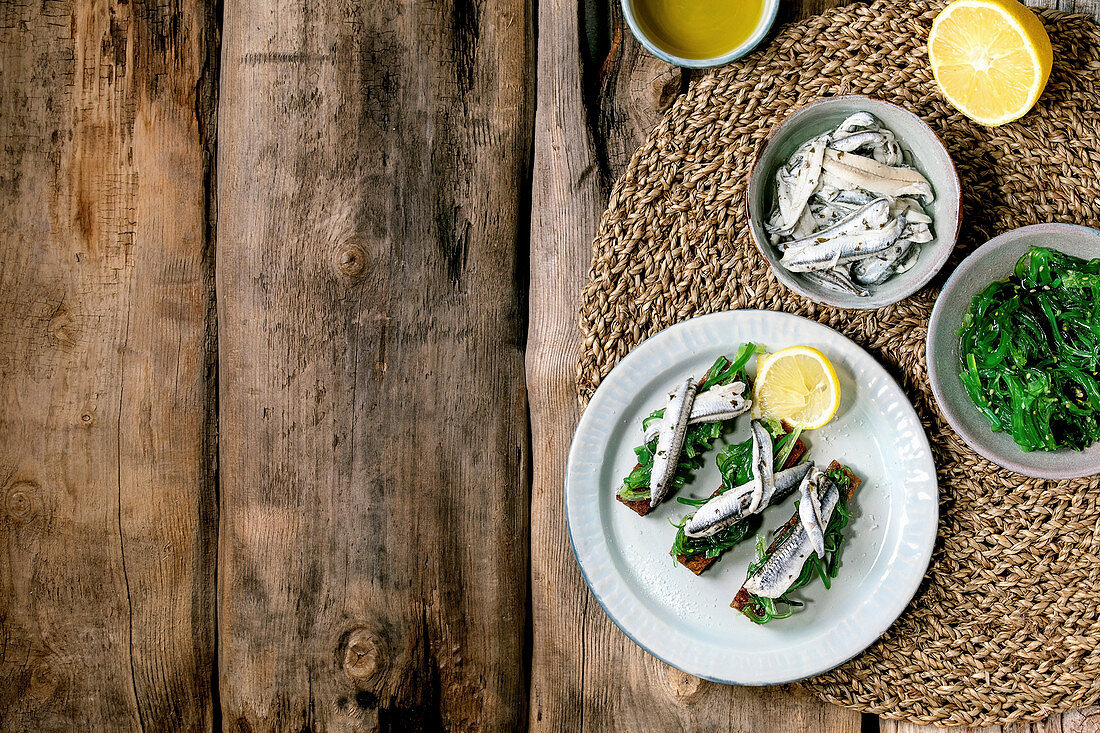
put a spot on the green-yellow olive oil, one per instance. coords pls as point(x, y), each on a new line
point(698, 29)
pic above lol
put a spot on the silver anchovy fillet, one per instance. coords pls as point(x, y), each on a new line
point(805, 226)
point(782, 568)
point(854, 122)
point(854, 196)
point(826, 209)
point(799, 179)
point(879, 143)
point(763, 486)
point(873, 215)
point(732, 506)
point(837, 279)
point(914, 214)
point(917, 233)
point(809, 512)
point(724, 402)
point(847, 248)
point(847, 170)
point(855, 141)
point(876, 270)
point(889, 154)
point(871, 140)
point(908, 259)
point(670, 440)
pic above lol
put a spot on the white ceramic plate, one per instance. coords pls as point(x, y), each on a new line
point(686, 620)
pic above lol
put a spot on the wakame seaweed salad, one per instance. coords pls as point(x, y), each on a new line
point(1030, 352)
point(699, 438)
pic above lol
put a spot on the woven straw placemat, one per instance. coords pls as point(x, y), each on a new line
point(1006, 625)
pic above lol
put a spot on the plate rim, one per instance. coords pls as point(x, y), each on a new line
point(936, 378)
point(927, 545)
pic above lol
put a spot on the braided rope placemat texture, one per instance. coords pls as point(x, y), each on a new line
point(1006, 625)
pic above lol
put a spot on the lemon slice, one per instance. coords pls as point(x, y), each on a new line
point(991, 58)
point(798, 385)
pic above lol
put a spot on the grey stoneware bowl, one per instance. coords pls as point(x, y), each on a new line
point(924, 151)
point(995, 260)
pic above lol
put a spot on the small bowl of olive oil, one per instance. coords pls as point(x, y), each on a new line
point(699, 33)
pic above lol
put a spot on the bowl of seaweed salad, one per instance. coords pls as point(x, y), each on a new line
point(1013, 350)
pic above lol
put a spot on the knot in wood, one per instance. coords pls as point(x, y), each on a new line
point(62, 328)
point(665, 88)
point(362, 656)
point(20, 503)
point(86, 419)
point(44, 680)
point(351, 260)
point(682, 684)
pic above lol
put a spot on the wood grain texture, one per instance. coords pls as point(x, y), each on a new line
point(373, 164)
point(107, 498)
point(626, 90)
point(595, 104)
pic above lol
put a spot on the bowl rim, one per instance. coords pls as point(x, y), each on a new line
point(951, 411)
point(836, 300)
point(767, 19)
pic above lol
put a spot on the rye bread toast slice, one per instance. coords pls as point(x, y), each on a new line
point(639, 505)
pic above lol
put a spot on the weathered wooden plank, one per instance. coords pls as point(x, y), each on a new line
point(585, 673)
point(1076, 721)
point(566, 201)
point(107, 498)
point(373, 157)
point(625, 90)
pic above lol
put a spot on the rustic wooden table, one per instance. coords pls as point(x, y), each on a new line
point(287, 343)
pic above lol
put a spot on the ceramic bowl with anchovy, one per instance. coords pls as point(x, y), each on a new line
point(854, 202)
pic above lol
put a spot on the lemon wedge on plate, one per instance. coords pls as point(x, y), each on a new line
point(991, 58)
point(797, 385)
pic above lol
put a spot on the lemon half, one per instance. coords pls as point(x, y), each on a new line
point(797, 385)
point(991, 58)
